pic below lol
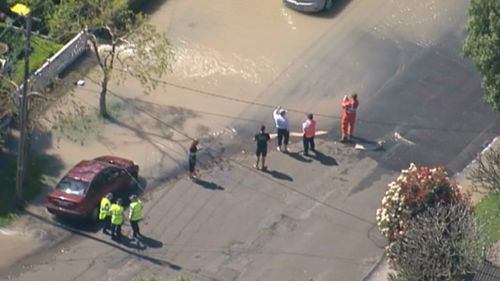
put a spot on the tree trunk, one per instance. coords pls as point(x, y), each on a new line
point(102, 98)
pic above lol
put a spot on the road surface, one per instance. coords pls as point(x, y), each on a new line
point(307, 218)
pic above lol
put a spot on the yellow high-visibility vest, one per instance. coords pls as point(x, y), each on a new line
point(105, 208)
point(116, 214)
point(135, 212)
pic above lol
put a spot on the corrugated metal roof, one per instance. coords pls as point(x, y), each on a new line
point(487, 272)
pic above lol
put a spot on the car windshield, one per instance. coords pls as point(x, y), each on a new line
point(72, 186)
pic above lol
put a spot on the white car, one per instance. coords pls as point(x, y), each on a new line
point(309, 5)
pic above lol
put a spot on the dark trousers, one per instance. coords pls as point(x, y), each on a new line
point(135, 228)
point(283, 136)
point(117, 231)
point(107, 225)
point(308, 143)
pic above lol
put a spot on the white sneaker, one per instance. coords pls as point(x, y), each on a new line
point(278, 148)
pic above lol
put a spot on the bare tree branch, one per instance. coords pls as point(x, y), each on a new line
point(442, 243)
point(486, 173)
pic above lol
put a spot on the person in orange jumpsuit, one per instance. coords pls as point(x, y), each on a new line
point(349, 105)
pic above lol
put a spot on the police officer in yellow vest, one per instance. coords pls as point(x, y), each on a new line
point(117, 218)
point(105, 212)
point(135, 215)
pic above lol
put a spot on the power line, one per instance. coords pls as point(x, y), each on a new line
point(243, 101)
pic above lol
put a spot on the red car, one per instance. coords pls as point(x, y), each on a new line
point(79, 192)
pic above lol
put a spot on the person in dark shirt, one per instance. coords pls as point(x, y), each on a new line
point(192, 159)
point(262, 138)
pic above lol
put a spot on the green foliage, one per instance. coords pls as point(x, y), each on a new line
point(40, 9)
point(34, 182)
point(415, 190)
point(487, 212)
point(42, 50)
point(483, 46)
point(133, 46)
point(72, 16)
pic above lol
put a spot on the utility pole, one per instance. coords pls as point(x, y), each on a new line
point(23, 118)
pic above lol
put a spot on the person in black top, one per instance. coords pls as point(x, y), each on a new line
point(261, 139)
point(192, 159)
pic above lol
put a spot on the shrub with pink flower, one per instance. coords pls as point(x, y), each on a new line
point(416, 189)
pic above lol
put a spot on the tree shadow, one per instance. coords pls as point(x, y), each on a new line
point(208, 184)
point(324, 159)
point(298, 156)
point(278, 175)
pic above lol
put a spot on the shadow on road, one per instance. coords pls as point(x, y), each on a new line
point(324, 159)
point(278, 175)
point(298, 156)
point(132, 243)
point(369, 144)
point(121, 247)
point(208, 184)
point(150, 242)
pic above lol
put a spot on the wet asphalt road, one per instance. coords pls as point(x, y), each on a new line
point(307, 219)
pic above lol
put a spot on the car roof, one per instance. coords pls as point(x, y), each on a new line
point(114, 160)
point(86, 170)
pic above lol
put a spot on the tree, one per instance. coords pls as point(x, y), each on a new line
point(429, 226)
point(117, 35)
point(415, 190)
point(482, 44)
point(440, 244)
point(486, 172)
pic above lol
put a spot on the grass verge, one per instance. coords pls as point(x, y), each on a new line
point(42, 50)
point(487, 212)
point(34, 183)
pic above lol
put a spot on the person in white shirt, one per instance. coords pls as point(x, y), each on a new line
point(281, 121)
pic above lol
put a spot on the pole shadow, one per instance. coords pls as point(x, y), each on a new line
point(110, 243)
point(278, 175)
point(208, 184)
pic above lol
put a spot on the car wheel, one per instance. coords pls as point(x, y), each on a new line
point(94, 215)
point(328, 5)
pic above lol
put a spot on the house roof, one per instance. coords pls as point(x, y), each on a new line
point(487, 272)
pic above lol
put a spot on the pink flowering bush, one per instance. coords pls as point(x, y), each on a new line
point(414, 191)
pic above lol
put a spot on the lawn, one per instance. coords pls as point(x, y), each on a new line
point(487, 212)
point(34, 183)
point(42, 50)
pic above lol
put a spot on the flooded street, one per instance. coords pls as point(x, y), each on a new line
point(234, 61)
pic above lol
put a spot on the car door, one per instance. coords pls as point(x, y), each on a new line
point(114, 179)
point(96, 191)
